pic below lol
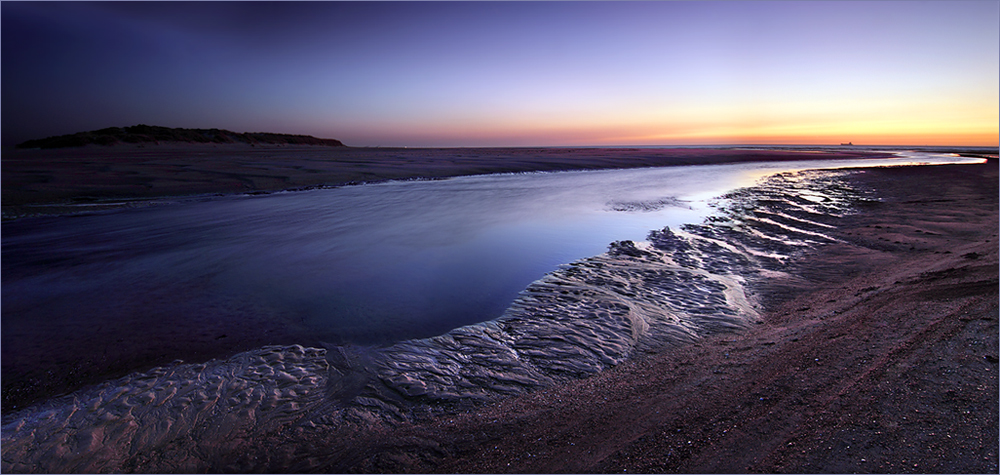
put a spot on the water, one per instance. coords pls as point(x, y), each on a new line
point(92, 298)
point(372, 264)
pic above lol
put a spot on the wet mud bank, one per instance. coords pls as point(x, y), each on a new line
point(603, 365)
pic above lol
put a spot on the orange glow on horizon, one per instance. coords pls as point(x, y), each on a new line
point(902, 139)
point(833, 123)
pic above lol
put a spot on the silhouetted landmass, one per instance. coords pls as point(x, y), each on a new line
point(142, 134)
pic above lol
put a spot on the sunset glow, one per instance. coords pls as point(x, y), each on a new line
point(512, 74)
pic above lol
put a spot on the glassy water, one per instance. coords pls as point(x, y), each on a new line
point(364, 264)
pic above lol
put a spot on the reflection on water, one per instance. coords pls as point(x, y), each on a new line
point(364, 264)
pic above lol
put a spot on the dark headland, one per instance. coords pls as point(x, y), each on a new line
point(151, 134)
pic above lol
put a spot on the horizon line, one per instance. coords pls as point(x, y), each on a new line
point(671, 146)
point(649, 146)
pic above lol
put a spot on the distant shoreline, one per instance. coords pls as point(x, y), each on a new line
point(45, 182)
point(62, 181)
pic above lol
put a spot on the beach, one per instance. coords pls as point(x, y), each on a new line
point(878, 354)
point(873, 350)
point(500, 237)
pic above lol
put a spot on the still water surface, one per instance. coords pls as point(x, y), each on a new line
point(362, 264)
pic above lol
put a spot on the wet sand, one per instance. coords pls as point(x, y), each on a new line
point(875, 354)
point(59, 181)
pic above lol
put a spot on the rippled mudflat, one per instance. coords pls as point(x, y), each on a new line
point(671, 288)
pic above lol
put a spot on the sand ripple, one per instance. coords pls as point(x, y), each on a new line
point(182, 409)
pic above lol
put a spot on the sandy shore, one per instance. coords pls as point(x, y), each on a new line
point(58, 181)
point(876, 354)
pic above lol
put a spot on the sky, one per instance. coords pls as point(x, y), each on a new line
point(472, 74)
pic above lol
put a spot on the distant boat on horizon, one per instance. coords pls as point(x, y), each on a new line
point(848, 143)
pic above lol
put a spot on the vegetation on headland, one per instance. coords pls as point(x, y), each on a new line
point(150, 134)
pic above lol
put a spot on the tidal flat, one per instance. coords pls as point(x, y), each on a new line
point(581, 332)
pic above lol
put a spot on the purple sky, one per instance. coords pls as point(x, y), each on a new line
point(510, 73)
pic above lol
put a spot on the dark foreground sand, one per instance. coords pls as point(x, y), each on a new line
point(881, 356)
